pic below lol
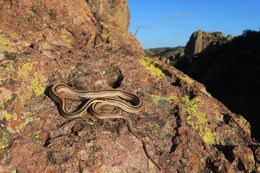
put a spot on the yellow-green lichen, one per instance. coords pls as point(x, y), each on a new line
point(15, 171)
point(14, 35)
point(1, 81)
point(105, 36)
point(6, 45)
point(66, 38)
point(5, 139)
point(187, 79)
point(244, 124)
point(198, 120)
point(24, 123)
point(153, 126)
point(209, 137)
point(24, 70)
point(10, 67)
point(5, 98)
point(38, 84)
point(7, 72)
point(37, 137)
point(6, 116)
point(170, 99)
point(251, 164)
point(151, 67)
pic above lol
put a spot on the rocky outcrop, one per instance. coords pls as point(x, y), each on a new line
point(90, 24)
point(200, 42)
point(231, 73)
point(205, 41)
point(184, 127)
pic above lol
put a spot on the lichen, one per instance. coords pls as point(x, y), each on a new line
point(198, 120)
point(38, 137)
point(6, 45)
point(244, 124)
point(105, 36)
point(151, 67)
point(38, 84)
point(251, 164)
point(209, 137)
point(6, 116)
point(24, 70)
point(7, 72)
point(170, 99)
point(17, 122)
point(187, 79)
point(5, 139)
point(66, 38)
point(153, 126)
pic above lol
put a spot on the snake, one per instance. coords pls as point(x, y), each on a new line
point(127, 102)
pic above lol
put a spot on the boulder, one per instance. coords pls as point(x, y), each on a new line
point(184, 128)
point(90, 24)
point(204, 41)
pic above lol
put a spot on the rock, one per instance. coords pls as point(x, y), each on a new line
point(183, 126)
point(201, 41)
point(231, 74)
point(91, 24)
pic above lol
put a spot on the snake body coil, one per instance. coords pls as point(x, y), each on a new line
point(96, 99)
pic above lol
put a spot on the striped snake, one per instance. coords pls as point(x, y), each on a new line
point(125, 101)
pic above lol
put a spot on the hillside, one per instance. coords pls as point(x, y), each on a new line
point(86, 45)
point(231, 73)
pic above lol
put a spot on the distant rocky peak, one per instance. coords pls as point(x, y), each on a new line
point(203, 41)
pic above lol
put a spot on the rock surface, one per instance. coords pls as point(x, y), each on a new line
point(90, 24)
point(185, 129)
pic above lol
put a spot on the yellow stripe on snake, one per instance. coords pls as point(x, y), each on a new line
point(125, 101)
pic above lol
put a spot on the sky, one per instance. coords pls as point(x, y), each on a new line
point(169, 23)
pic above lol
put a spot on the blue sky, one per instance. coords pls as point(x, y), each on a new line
point(169, 23)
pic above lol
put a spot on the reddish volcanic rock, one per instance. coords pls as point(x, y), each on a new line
point(184, 128)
